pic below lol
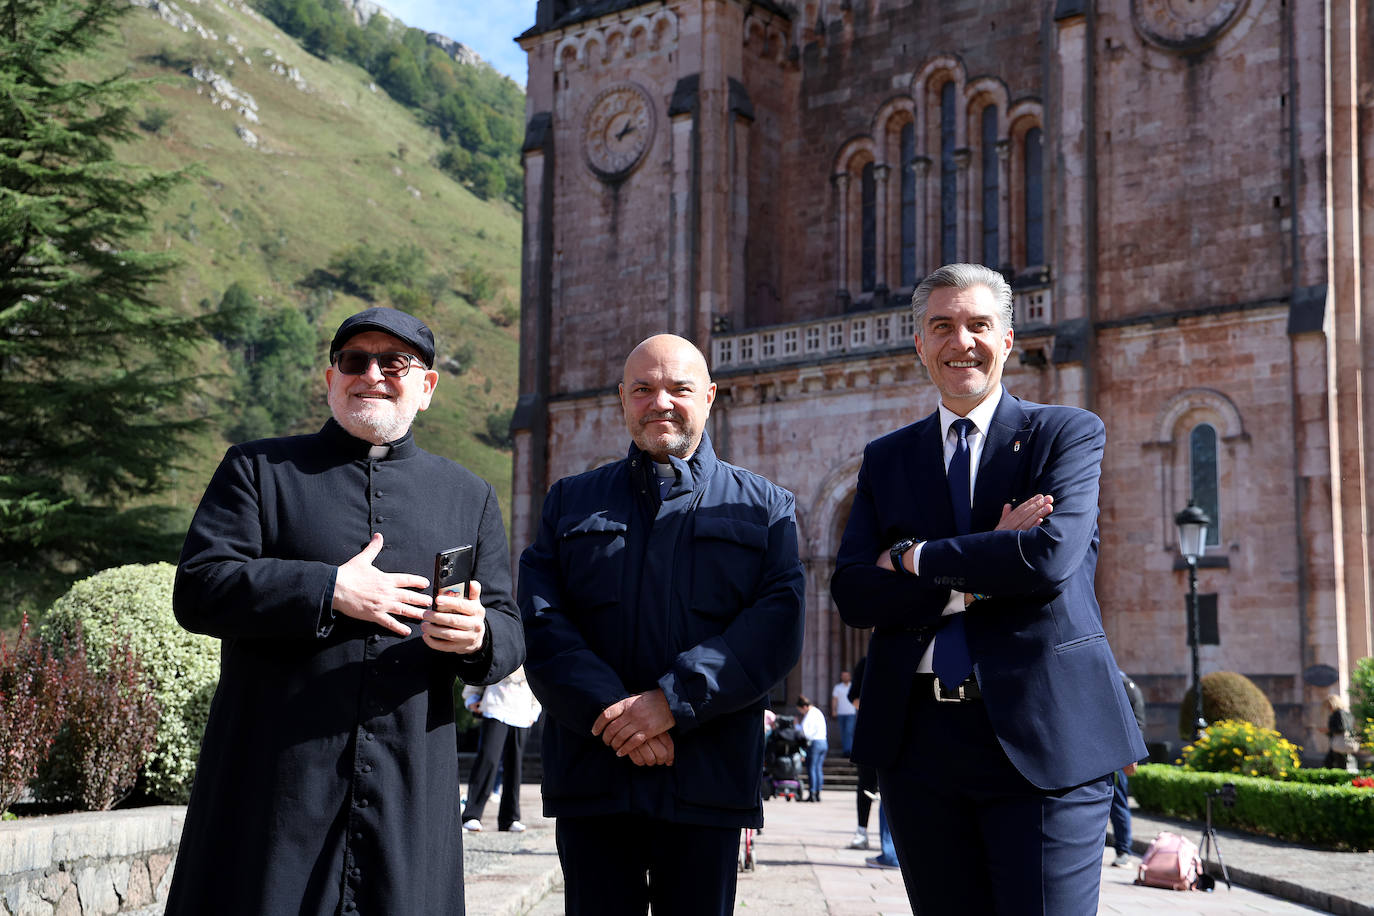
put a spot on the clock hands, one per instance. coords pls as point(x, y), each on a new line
point(629, 128)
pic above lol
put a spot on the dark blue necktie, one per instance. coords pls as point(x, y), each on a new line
point(951, 661)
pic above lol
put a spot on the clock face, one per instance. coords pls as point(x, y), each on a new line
point(1185, 24)
point(620, 124)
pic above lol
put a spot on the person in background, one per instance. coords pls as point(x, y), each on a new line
point(842, 712)
point(508, 709)
point(1121, 808)
point(814, 730)
point(1340, 728)
point(867, 776)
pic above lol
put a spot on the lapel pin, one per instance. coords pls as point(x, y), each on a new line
point(1016, 446)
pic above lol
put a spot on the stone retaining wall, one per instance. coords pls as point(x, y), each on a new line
point(89, 863)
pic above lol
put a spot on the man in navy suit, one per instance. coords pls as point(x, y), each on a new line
point(991, 705)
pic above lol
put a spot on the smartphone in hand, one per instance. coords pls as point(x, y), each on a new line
point(451, 567)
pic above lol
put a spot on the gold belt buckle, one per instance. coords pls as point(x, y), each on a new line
point(940, 697)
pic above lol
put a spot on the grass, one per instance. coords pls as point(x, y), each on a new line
point(337, 164)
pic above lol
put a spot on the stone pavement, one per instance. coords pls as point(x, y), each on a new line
point(803, 868)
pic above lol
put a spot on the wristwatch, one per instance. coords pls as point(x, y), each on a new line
point(895, 552)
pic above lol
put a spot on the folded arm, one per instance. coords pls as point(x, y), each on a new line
point(1040, 559)
point(866, 594)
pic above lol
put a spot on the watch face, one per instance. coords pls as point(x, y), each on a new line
point(620, 125)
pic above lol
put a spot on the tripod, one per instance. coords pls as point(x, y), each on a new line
point(1206, 882)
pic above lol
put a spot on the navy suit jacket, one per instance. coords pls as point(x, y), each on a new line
point(1048, 677)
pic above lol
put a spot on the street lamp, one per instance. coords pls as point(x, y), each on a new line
point(1192, 525)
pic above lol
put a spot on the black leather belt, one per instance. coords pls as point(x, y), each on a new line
point(928, 687)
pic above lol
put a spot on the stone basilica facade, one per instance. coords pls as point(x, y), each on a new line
point(1175, 188)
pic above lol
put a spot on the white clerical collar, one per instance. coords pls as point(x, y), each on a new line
point(379, 451)
point(980, 415)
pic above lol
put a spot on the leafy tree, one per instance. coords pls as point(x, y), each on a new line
point(362, 269)
point(401, 78)
point(95, 372)
point(272, 353)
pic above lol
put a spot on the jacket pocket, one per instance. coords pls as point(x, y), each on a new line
point(1080, 642)
point(728, 560)
point(591, 553)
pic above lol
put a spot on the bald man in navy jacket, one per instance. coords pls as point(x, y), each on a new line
point(991, 704)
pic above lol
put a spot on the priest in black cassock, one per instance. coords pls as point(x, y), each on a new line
point(328, 773)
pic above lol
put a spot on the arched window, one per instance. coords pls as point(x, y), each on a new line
point(868, 269)
point(949, 180)
point(1035, 200)
point(908, 205)
point(991, 192)
point(1202, 467)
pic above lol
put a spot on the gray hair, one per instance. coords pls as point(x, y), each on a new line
point(962, 276)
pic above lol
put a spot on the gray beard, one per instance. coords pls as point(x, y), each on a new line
point(377, 430)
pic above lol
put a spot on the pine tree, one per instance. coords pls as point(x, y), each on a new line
point(93, 371)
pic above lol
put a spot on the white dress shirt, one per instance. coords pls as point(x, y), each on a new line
point(977, 438)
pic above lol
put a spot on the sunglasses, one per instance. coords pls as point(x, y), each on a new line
point(393, 365)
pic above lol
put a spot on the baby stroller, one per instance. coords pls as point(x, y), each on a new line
point(782, 760)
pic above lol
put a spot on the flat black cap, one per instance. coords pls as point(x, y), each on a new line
point(395, 322)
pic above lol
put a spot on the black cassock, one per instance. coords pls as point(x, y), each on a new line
point(328, 776)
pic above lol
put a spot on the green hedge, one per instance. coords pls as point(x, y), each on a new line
point(182, 667)
point(1340, 816)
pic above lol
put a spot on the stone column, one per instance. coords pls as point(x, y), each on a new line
point(920, 167)
point(1003, 203)
point(963, 209)
point(841, 182)
point(880, 229)
point(1069, 234)
point(1343, 269)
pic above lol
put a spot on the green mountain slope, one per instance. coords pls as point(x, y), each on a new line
point(299, 160)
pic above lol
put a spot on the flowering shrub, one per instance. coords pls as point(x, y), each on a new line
point(1363, 782)
point(1230, 746)
point(32, 705)
point(135, 603)
point(109, 729)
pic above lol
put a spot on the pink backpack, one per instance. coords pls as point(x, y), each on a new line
point(1171, 861)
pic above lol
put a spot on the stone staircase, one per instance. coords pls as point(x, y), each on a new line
point(840, 773)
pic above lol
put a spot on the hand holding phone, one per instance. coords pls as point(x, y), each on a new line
point(456, 627)
point(451, 567)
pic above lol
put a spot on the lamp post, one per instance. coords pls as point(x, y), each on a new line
point(1192, 525)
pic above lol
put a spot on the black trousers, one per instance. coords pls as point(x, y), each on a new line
point(505, 744)
point(974, 838)
point(868, 779)
point(621, 865)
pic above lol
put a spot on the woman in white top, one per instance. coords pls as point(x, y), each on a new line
point(813, 729)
